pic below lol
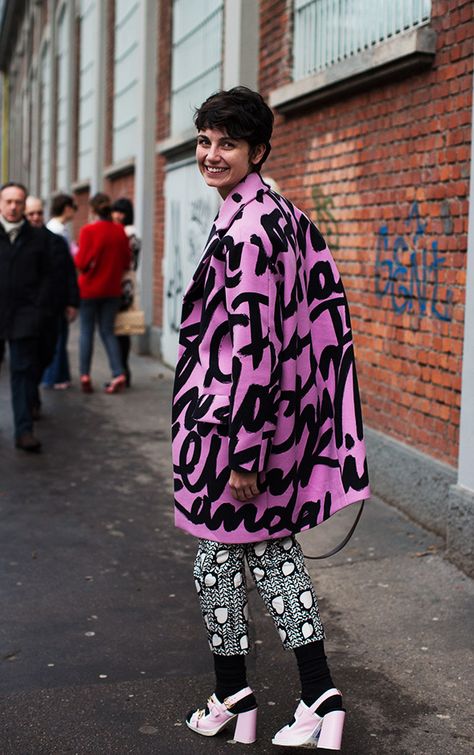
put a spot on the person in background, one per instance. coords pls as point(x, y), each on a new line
point(102, 258)
point(25, 301)
point(58, 374)
point(53, 361)
point(63, 209)
point(122, 212)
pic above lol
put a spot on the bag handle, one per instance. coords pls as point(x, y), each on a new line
point(344, 542)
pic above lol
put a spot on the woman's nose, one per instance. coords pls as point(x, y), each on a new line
point(213, 153)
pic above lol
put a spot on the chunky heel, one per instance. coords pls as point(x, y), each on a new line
point(312, 726)
point(246, 727)
point(330, 736)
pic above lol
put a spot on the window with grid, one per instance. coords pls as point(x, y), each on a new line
point(329, 31)
point(196, 57)
point(45, 99)
point(86, 89)
point(126, 63)
point(62, 103)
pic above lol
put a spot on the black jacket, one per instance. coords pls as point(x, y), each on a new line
point(65, 291)
point(25, 283)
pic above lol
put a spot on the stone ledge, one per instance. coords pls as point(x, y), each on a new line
point(404, 54)
point(79, 186)
point(178, 145)
point(122, 168)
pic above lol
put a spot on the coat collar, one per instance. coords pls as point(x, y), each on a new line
point(252, 187)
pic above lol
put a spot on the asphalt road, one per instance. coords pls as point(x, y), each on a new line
point(102, 650)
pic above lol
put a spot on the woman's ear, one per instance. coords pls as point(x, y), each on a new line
point(257, 153)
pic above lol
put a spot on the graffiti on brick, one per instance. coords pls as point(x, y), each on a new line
point(408, 270)
point(325, 219)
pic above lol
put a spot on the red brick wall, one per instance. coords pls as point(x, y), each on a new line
point(371, 169)
point(122, 186)
point(82, 215)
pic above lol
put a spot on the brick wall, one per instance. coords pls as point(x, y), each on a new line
point(385, 174)
point(121, 186)
point(82, 215)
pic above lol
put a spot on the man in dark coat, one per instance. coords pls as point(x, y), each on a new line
point(25, 300)
point(65, 291)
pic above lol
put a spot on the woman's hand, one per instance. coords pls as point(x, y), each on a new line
point(243, 485)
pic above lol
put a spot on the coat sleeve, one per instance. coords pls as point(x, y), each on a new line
point(252, 302)
point(84, 256)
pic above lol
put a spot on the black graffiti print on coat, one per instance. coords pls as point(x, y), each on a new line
point(265, 380)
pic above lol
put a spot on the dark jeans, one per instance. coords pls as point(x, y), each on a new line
point(23, 381)
point(102, 312)
point(58, 369)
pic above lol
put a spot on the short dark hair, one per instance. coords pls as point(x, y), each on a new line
point(14, 184)
point(59, 204)
point(100, 204)
point(242, 113)
point(122, 204)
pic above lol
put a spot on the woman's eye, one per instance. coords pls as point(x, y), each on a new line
point(229, 145)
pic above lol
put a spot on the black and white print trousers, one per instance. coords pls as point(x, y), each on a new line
point(281, 578)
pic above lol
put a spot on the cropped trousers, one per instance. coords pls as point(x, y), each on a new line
point(282, 580)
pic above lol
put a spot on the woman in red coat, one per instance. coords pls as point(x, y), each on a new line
point(103, 257)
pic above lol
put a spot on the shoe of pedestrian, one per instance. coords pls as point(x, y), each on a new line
point(217, 715)
point(116, 385)
point(86, 384)
point(317, 725)
point(62, 386)
point(28, 442)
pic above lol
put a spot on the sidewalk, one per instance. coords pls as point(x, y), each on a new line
point(101, 645)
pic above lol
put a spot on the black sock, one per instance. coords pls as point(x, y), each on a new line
point(314, 672)
point(231, 675)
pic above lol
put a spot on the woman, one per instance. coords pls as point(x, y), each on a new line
point(102, 258)
point(267, 430)
point(122, 213)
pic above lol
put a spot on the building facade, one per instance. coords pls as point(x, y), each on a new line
point(373, 139)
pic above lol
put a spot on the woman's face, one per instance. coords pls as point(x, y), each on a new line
point(118, 217)
point(224, 161)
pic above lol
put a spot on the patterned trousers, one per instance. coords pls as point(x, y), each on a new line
point(281, 578)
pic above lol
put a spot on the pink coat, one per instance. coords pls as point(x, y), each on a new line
point(265, 379)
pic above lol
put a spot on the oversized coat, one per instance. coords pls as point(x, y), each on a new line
point(265, 380)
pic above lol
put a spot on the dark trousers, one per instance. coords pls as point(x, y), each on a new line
point(57, 368)
point(23, 377)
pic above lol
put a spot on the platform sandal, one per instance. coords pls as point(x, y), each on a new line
point(317, 725)
point(241, 706)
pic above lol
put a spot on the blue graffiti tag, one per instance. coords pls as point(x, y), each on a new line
point(409, 284)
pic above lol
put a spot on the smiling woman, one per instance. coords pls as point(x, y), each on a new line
point(224, 161)
point(267, 429)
